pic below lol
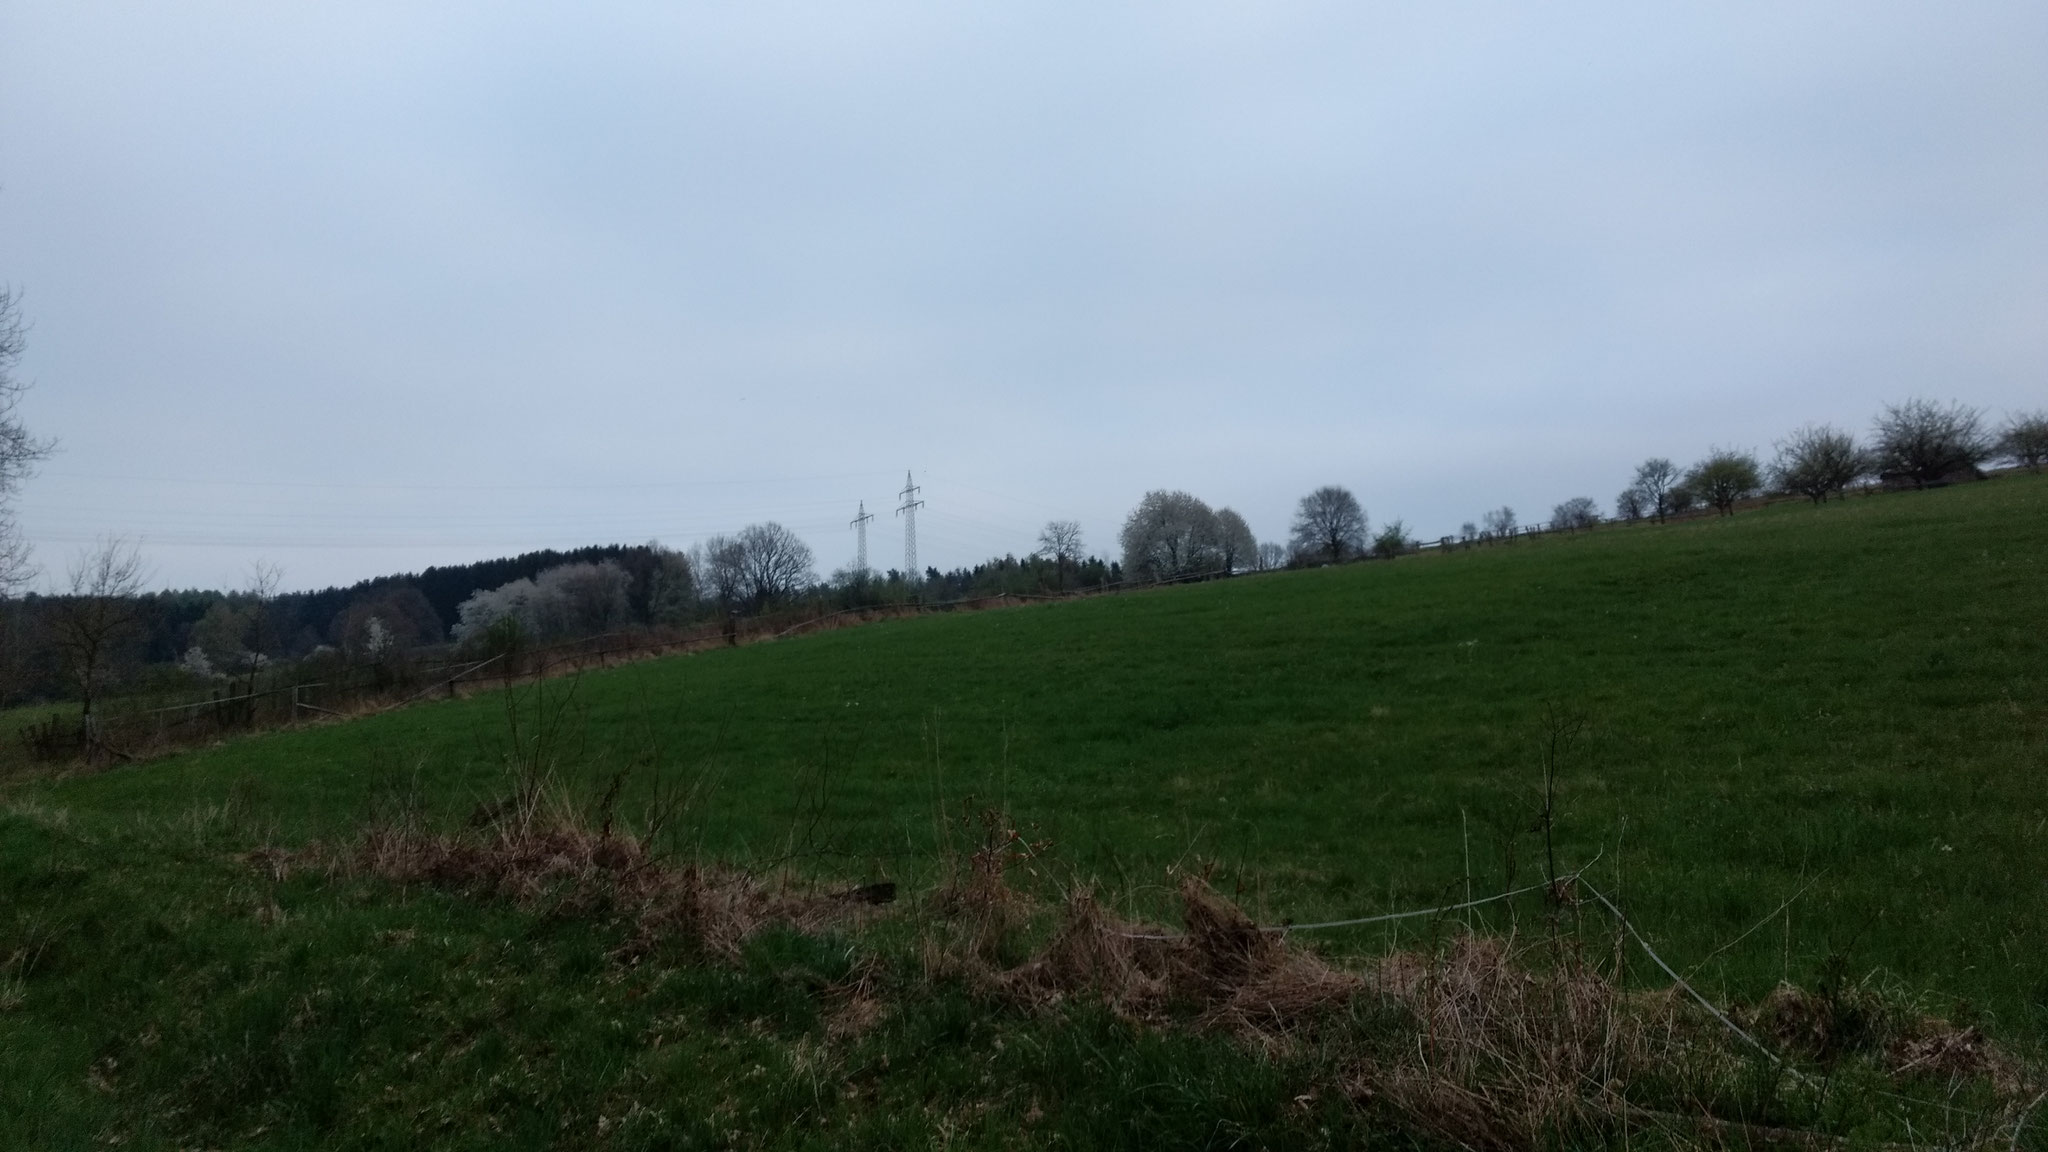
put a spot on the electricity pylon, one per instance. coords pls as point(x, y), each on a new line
point(860, 525)
point(908, 510)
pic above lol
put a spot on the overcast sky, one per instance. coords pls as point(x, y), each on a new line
point(361, 288)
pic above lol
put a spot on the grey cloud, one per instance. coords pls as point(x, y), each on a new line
point(434, 263)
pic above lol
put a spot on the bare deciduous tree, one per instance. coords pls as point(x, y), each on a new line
point(1060, 542)
point(99, 616)
point(1927, 443)
point(1237, 548)
point(2024, 439)
point(1655, 478)
point(1329, 523)
point(1724, 477)
point(19, 451)
point(724, 567)
point(1575, 514)
point(1630, 505)
point(1818, 461)
point(774, 563)
point(1498, 524)
point(1272, 556)
point(1167, 536)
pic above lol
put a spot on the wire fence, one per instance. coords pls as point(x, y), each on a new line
point(136, 728)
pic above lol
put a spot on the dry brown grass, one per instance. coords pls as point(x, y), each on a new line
point(1823, 1026)
point(1483, 1043)
point(537, 848)
point(1223, 972)
point(1490, 1042)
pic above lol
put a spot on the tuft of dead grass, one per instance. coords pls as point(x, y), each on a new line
point(1508, 1053)
point(1866, 1018)
point(1223, 971)
point(539, 850)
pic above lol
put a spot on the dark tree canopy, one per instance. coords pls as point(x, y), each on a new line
point(1392, 540)
point(1329, 525)
point(1169, 535)
point(2024, 439)
point(1060, 542)
point(1237, 548)
point(403, 615)
point(774, 563)
point(1725, 477)
point(1574, 514)
point(1927, 443)
point(1653, 485)
point(1818, 461)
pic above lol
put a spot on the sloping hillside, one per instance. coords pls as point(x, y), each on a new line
point(1809, 741)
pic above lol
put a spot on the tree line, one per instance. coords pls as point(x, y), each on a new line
point(1917, 444)
point(101, 630)
point(1173, 535)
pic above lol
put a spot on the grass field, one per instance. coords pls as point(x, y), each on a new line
point(1814, 740)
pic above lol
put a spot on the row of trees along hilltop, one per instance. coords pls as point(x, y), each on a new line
point(1915, 444)
point(101, 632)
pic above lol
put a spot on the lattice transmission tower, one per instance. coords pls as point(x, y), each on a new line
point(908, 510)
point(860, 525)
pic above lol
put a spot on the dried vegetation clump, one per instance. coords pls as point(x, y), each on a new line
point(1472, 1045)
point(1505, 1042)
point(1483, 1042)
point(1841, 1020)
point(538, 849)
point(1222, 972)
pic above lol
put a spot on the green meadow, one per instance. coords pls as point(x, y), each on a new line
point(1804, 740)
